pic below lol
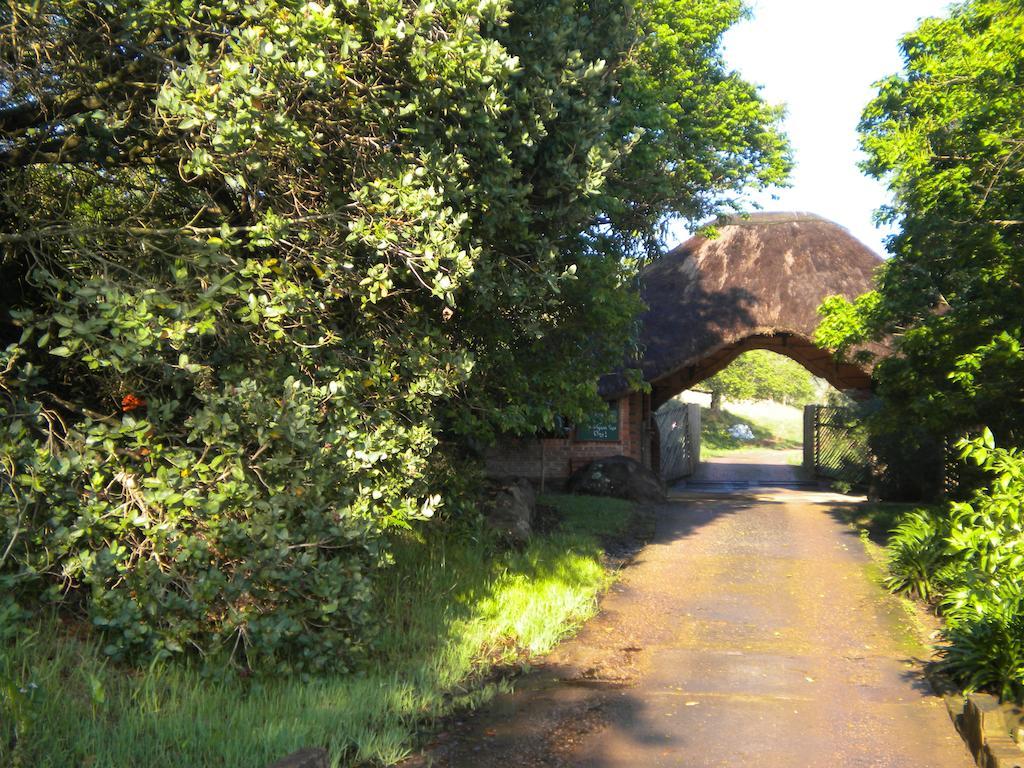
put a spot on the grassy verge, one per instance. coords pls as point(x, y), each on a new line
point(785, 423)
point(794, 456)
point(456, 612)
point(908, 620)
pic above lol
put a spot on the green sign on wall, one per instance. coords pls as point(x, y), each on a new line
point(603, 428)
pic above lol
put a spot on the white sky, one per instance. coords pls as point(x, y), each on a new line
point(819, 59)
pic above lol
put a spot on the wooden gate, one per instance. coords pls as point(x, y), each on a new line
point(679, 431)
point(836, 443)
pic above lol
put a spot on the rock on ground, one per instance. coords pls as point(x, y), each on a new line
point(512, 510)
point(618, 476)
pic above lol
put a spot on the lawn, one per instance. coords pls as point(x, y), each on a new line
point(461, 616)
point(773, 425)
point(784, 422)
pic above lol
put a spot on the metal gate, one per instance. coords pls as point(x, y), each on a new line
point(839, 443)
point(679, 432)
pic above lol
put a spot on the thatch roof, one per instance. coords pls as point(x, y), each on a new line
point(758, 284)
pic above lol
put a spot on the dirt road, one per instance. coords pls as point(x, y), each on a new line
point(750, 632)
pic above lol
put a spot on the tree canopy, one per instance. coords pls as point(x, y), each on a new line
point(270, 267)
point(947, 138)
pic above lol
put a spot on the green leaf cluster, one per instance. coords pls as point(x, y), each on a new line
point(761, 375)
point(270, 270)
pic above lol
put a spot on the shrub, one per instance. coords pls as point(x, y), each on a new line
point(919, 560)
point(971, 555)
point(203, 544)
point(986, 638)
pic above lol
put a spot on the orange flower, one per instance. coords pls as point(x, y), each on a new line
point(131, 402)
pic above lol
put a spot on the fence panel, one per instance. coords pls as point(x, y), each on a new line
point(679, 431)
point(840, 445)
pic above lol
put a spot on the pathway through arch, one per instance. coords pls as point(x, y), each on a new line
point(750, 469)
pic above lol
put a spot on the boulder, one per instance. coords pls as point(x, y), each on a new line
point(511, 510)
point(618, 476)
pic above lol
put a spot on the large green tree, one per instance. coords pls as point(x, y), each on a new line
point(264, 264)
point(946, 136)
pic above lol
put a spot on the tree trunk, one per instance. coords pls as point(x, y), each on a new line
point(716, 402)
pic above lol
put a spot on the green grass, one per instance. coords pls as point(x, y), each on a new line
point(457, 612)
point(773, 426)
point(710, 453)
point(875, 521)
point(590, 516)
point(784, 422)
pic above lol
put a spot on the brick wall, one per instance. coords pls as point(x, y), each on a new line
point(555, 459)
point(529, 457)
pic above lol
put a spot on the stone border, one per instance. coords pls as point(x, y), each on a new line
point(979, 719)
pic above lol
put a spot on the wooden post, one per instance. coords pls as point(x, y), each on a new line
point(693, 424)
point(542, 466)
point(645, 443)
point(810, 412)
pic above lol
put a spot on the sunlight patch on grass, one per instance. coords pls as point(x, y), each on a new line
point(774, 426)
point(784, 422)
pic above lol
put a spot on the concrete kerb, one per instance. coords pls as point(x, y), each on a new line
point(765, 494)
point(979, 719)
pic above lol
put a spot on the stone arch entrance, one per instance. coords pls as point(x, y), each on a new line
point(756, 284)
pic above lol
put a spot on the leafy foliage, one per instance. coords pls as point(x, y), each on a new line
point(970, 558)
point(918, 556)
point(946, 137)
point(677, 88)
point(272, 267)
point(761, 375)
point(987, 652)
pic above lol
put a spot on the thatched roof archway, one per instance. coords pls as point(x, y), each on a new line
point(757, 285)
